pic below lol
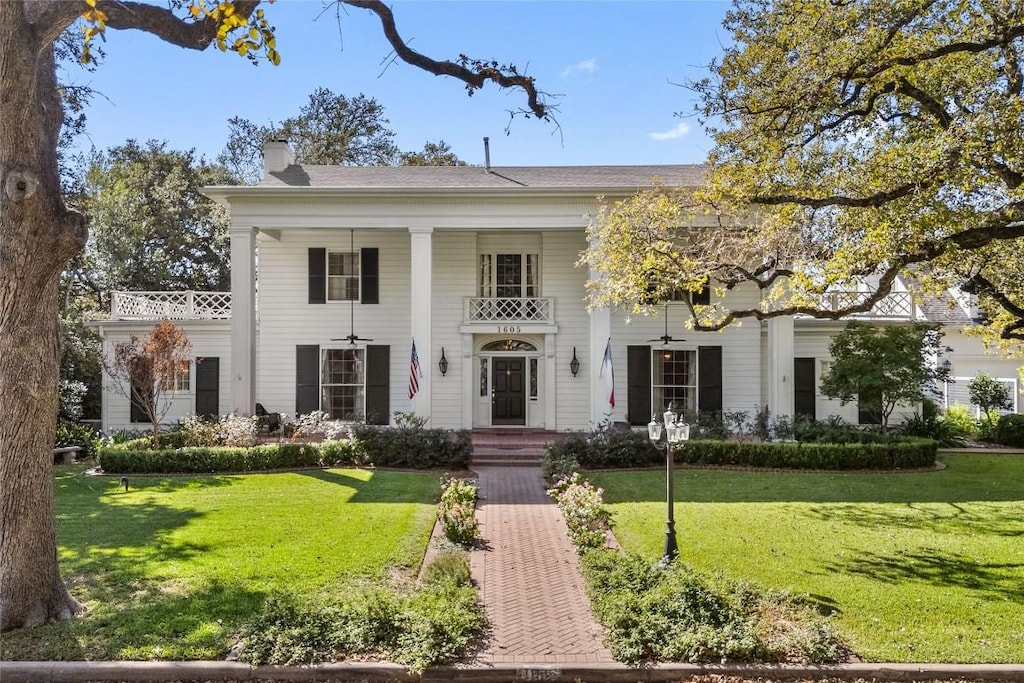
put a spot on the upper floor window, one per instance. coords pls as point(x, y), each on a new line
point(675, 380)
point(342, 276)
point(509, 276)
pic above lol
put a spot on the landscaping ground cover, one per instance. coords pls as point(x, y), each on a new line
point(173, 567)
point(922, 566)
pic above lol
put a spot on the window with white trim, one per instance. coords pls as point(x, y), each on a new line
point(674, 380)
point(509, 276)
point(342, 276)
point(181, 381)
point(343, 383)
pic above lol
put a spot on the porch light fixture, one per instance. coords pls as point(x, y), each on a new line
point(574, 364)
point(442, 364)
point(675, 432)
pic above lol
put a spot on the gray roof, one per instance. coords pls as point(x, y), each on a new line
point(628, 178)
point(943, 309)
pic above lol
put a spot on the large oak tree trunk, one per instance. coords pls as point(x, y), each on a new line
point(37, 237)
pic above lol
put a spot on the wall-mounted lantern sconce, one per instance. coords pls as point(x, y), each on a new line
point(442, 364)
point(574, 364)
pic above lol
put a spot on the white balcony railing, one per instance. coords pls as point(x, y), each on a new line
point(509, 310)
point(893, 305)
point(170, 305)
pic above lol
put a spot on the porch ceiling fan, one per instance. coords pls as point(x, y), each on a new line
point(666, 338)
point(352, 337)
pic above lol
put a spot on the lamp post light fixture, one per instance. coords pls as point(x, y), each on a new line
point(675, 432)
point(574, 364)
point(442, 364)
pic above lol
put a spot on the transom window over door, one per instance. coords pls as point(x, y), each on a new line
point(509, 276)
point(342, 276)
point(343, 383)
point(675, 380)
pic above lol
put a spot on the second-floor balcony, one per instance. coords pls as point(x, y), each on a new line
point(170, 305)
point(892, 305)
point(509, 310)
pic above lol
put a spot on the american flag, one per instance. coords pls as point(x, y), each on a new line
point(414, 372)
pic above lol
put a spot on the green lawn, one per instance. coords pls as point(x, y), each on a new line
point(173, 567)
point(917, 566)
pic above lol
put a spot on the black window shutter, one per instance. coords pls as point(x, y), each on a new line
point(803, 387)
point(307, 378)
point(208, 386)
point(369, 267)
point(869, 415)
point(317, 276)
point(638, 385)
point(137, 412)
point(709, 379)
point(378, 384)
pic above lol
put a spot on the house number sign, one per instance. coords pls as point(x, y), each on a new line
point(509, 329)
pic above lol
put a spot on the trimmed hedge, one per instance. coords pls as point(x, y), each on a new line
point(636, 451)
point(378, 446)
point(1010, 430)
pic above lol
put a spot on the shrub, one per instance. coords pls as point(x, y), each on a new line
point(415, 448)
point(561, 458)
point(1010, 430)
point(318, 425)
point(907, 453)
point(928, 425)
point(582, 506)
point(457, 511)
point(74, 434)
point(135, 458)
point(655, 614)
point(449, 567)
point(431, 625)
point(961, 421)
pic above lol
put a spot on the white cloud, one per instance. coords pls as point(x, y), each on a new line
point(587, 66)
point(679, 131)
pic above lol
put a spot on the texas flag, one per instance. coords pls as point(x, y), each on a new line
point(607, 374)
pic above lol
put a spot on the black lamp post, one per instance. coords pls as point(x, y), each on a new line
point(675, 432)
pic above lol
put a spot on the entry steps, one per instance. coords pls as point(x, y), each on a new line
point(510, 447)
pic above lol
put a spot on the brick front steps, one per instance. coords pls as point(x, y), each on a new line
point(510, 447)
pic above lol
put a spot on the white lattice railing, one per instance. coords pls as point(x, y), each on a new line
point(894, 305)
point(170, 305)
point(526, 309)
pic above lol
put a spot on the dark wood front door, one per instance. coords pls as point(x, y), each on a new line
point(508, 391)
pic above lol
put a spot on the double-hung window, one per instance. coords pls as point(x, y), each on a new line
point(343, 383)
point(180, 380)
point(675, 380)
point(509, 276)
point(342, 276)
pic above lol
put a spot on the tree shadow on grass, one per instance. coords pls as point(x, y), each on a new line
point(383, 487)
point(142, 619)
point(935, 567)
point(973, 518)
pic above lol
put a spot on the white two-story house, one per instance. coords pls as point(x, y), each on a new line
point(336, 271)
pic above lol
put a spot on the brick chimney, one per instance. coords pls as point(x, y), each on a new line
point(277, 156)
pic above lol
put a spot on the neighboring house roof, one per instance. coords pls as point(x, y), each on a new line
point(943, 309)
point(629, 178)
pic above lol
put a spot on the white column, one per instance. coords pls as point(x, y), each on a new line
point(243, 320)
point(470, 381)
point(548, 374)
point(420, 304)
point(780, 366)
point(600, 331)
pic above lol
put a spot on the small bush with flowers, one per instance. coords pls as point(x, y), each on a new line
point(457, 511)
point(584, 511)
point(228, 430)
point(319, 424)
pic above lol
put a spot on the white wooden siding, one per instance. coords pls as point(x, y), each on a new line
point(287, 320)
point(454, 278)
point(208, 340)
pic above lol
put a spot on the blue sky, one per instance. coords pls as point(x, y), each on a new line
point(616, 67)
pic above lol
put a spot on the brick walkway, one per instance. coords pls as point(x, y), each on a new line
point(528, 576)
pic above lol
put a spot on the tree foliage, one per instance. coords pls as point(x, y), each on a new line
point(989, 395)
point(853, 140)
point(433, 154)
point(330, 129)
point(882, 367)
point(150, 226)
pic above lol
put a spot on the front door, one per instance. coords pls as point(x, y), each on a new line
point(508, 391)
